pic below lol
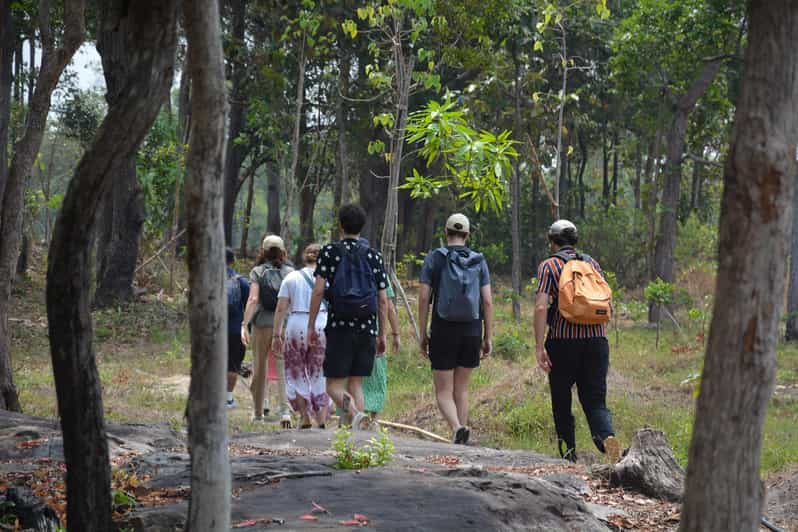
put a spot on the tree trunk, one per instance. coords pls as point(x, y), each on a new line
point(342, 192)
point(792, 289)
point(695, 187)
point(243, 249)
point(615, 150)
point(605, 167)
point(307, 205)
point(581, 177)
point(119, 234)
point(7, 33)
point(54, 60)
point(273, 199)
point(515, 194)
point(666, 237)
point(723, 487)
point(148, 28)
point(236, 152)
point(295, 144)
point(638, 174)
point(209, 507)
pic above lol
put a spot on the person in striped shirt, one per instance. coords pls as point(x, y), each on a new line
point(571, 353)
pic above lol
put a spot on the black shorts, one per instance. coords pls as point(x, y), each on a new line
point(349, 354)
point(235, 352)
point(451, 350)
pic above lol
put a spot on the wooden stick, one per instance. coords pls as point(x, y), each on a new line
point(403, 297)
point(411, 428)
point(158, 253)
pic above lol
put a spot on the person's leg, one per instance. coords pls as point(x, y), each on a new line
point(232, 379)
point(462, 376)
point(261, 343)
point(355, 388)
point(561, 380)
point(282, 399)
point(591, 385)
point(444, 393)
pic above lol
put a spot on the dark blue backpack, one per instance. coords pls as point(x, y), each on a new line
point(458, 292)
point(353, 291)
point(235, 300)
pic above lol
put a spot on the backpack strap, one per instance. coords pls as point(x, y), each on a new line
point(305, 275)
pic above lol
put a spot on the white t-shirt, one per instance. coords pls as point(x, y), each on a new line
point(296, 288)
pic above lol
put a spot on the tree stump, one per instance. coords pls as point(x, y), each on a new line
point(648, 467)
point(32, 512)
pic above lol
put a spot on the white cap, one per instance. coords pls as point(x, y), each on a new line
point(458, 222)
point(273, 241)
point(560, 226)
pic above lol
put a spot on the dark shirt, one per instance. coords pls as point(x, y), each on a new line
point(326, 266)
point(235, 317)
point(430, 274)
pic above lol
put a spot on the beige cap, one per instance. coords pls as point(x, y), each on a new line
point(458, 222)
point(273, 241)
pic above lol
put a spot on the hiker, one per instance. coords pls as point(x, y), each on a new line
point(237, 287)
point(355, 328)
point(304, 378)
point(458, 280)
point(575, 350)
point(375, 386)
point(266, 277)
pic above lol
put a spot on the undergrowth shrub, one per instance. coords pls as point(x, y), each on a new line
point(378, 451)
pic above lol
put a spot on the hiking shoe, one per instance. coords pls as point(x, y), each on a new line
point(258, 419)
point(461, 436)
point(612, 449)
point(232, 403)
point(570, 455)
point(360, 421)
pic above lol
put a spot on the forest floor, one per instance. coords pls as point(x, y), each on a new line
point(143, 358)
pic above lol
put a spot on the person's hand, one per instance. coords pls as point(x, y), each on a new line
point(245, 335)
point(487, 347)
point(313, 337)
point(395, 343)
point(544, 362)
point(277, 344)
point(381, 344)
point(424, 345)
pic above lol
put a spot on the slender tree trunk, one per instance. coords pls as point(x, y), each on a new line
point(149, 30)
point(615, 150)
point(695, 187)
point(342, 186)
point(7, 32)
point(581, 178)
point(563, 99)
point(515, 195)
point(792, 290)
point(666, 237)
point(295, 144)
point(236, 151)
point(605, 167)
point(54, 60)
point(273, 199)
point(243, 248)
point(209, 507)
point(638, 174)
point(723, 490)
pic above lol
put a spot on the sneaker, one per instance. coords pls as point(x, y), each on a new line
point(612, 449)
point(360, 421)
point(232, 403)
point(461, 436)
point(570, 455)
point(258, 419)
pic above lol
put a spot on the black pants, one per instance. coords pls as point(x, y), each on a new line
point(583, 362)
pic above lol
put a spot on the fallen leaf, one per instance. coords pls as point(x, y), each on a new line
point(319, 508)
point(309, 517)
point(349, 522)
point(360, 518)
point(28, 444)
point(248, 522)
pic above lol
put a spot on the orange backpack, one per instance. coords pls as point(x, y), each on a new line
point(584, 296)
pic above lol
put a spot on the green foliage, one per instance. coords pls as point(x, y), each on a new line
point(477, 165)
point(659, 292)
point(697, 243)
point(512, 345)
point(79, 114)
point(378, 451)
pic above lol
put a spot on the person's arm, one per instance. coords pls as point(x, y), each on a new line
point(423, 313)
point(487, 311)
point(249, 311)
point(315, 304)
point(382, 320)
point(541, 311)
point(279, 315)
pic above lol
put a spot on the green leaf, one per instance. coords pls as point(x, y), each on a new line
point(538, 46)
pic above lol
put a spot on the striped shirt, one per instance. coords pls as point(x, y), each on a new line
point(548, 283)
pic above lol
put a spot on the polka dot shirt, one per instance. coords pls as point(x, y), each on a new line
point(327, 265)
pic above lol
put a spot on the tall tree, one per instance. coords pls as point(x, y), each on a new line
point(723, 488)
point(209, 507)
point(792, 289)
point(54, 60)
point(148, 30)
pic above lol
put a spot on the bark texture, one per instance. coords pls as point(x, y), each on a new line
point(209, 507)
point(677, 132)
point(792, 289)
point(273, 199)
point(723, 488)
point(149, 30)
point(515, 197)
point(6, 54)
point(54, 60)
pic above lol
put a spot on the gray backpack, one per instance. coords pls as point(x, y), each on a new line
point(457, 294)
